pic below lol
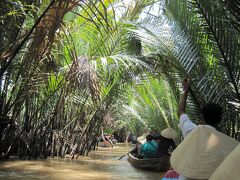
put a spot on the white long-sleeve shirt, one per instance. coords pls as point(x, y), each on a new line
point(186, 126)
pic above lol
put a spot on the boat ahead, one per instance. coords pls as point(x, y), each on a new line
point(161, 164)
point(104, 144)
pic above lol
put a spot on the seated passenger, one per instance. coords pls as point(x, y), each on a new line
point(136, 151)
point(105, 139)
point(201, 153)
point(166, 143)
point(149, 148)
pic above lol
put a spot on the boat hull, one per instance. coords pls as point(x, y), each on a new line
point(153, 164)
point(104, 144)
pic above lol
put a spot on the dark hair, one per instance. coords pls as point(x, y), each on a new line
point(164, 146)
point(156, 137)
point(161, 138)
point(149, 137)
point(212, 114)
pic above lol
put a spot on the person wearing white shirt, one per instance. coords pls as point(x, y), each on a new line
point(211, 114)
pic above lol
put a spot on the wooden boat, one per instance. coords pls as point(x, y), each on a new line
point(161, 164)
point(104, 144)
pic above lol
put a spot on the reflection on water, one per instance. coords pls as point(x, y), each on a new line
point(100, 164)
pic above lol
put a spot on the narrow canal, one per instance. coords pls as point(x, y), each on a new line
point(101, 164)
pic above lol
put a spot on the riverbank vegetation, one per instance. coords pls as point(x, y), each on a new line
point(69, 67)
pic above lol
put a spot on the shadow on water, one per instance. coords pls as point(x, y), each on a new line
point(100, 164)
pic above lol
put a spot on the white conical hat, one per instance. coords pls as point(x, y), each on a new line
point(169, 133)
point(142, 139)
point(202, 151)
point(229, 168)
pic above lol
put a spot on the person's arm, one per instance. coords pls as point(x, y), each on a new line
point(103, 137)
point(183, 98)
point(185, 124)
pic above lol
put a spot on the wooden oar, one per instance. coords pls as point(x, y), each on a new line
point(121, 157)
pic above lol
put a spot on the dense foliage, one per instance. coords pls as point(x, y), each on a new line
point(69, 67)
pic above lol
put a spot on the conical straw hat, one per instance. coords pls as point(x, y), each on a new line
point(142, 139)
point(169, 133)
point(229, 168)
point(202, 151)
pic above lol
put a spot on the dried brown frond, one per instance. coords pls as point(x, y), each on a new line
point(83, 76)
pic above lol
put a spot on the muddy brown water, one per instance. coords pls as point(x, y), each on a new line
point(99, 165)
